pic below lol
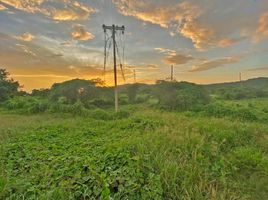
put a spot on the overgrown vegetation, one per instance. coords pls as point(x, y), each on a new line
point(168, 141)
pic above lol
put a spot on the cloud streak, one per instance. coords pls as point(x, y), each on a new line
point(2, 7)
point(262, 30)
point(174, 58)
point(211, 64)
point(259, 69)
point(65, 10)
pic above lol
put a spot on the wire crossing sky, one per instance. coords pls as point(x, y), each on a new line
point(48, 41)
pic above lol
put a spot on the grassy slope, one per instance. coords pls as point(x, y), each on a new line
point(149, 155)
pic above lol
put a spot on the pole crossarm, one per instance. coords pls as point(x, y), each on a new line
point(113, 27)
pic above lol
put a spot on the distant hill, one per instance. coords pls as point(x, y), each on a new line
point(256, 83)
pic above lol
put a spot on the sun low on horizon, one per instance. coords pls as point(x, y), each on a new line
point(47, 41)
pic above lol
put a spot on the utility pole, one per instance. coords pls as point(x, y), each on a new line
point(114, 28)
point(240, 79)
point(171, 72)
point(134, 73)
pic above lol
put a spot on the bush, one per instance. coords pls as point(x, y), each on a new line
point(27, 104)
point(220, 110)
point(100, 114)
point(238, 93)
point(180, 96)
point(100, 103)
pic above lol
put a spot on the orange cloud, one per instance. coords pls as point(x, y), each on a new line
point(157, 14)
point(174, 58)
point(201, 36)
point(177, 59)
point(211, 64)
point(227, 42)
point(142, 67)
point(31, 6)
point(2, 7)
point(75, 11)
point(262, 30)
point(69, 10)
point(182, 18)
point(26, 37)
point(79, 33)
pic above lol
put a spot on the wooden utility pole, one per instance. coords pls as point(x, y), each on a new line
point(134, 73)
point(171, 72)
point(240, 79)
point(114, 28)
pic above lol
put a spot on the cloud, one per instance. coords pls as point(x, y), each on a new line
point(25, 37)
point(259, 69)
point(174, 58)
point(181, 17)
point(65, 10)
point(30, 6)
point(262, 30)
point(79, 33)
point(227, 42)
point(165, 50)
point(25, 49)
point(2, 7)
point(142, 67)
point(211, 64)
point(177, 59)
point(157, 14)
point(74, 11)
point(185, 18)
point(202, 37)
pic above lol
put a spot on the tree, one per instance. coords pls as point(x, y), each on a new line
point(180, 96)
point(74, 90)
point(8, 87)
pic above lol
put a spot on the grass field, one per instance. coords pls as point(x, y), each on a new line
point(146, 153)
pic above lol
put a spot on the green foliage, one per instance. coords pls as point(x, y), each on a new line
point(26, 104)
point(40, 93)
point(238, 93)
point(134, 154)
point(246, 112)
point(8, 87)
point(180, 96)
point(75, 90)
point(132, 91)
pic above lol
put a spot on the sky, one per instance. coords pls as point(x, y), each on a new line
point(207, 41)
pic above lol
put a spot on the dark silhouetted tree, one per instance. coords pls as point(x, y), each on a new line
point(8, 87)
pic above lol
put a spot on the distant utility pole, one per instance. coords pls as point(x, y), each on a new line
point(114, 28)
point(134, 74)
point(171, 72)
point(240, 78)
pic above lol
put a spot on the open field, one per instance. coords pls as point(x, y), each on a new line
point(142, 153)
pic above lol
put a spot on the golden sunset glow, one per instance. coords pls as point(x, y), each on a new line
point(47, 41)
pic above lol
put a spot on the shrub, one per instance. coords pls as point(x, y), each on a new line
point(26, 104)
point(100, 115)
point(180, 96)
point(220, 110)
